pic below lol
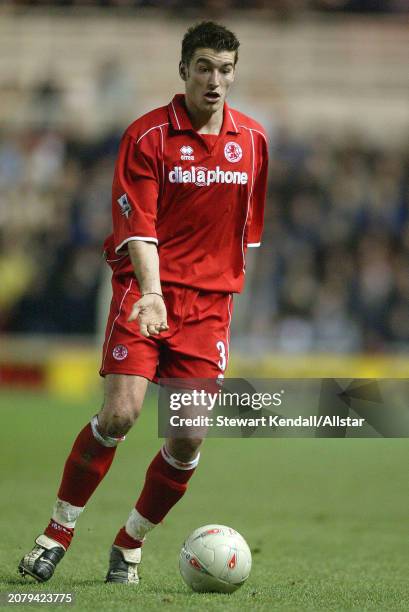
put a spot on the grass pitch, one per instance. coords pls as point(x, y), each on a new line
point(327, 520)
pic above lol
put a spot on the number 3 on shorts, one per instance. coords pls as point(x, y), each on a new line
point(222, 352)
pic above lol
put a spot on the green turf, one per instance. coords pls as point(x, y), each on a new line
point(327, 520)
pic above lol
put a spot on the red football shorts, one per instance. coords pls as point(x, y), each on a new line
point(196, 345)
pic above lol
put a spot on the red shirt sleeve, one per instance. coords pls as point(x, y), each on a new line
point(258, 198)
point(135, 192)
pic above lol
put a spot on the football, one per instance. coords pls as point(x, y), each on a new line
point(215, 558)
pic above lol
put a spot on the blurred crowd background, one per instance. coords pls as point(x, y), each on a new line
point(332, 273)
point(278, 7)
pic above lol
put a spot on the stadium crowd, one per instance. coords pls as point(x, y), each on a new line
point(332, 273)
point(280, 8)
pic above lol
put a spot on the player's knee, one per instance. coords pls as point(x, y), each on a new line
point(117, 422)
point(118, 415)
point(122, 404)
point(184, 449)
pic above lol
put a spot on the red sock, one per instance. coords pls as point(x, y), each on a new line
point(164, 486)
point(59, 533)
point(124, 540)
point(85, 467)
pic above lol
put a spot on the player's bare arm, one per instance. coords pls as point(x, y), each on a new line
point(150, 309)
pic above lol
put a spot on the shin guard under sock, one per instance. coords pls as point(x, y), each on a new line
point(166, 482)
point(88, 462)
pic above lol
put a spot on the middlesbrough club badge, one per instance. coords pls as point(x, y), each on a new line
point(120, 352)
point(233, 152)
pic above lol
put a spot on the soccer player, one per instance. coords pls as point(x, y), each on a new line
point(187, 200)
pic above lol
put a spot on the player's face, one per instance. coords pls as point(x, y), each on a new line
point(208, 79)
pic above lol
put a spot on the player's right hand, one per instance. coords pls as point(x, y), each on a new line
point(150, 312)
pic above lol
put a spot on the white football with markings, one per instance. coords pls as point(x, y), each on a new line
point(215, 558)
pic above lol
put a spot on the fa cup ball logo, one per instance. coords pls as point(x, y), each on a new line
point(233, 152)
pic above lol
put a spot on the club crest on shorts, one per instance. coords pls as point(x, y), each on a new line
point(120, 352)
point(233, 152)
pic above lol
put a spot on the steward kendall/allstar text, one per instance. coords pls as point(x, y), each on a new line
point(267, 421)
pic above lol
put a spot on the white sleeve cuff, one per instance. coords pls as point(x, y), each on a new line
point(143, 238)
point(253, 244)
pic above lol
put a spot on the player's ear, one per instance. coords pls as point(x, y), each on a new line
point(182, 71)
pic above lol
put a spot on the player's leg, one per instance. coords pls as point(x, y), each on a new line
point(197, 349)
point(165, 484)
point(87, 464)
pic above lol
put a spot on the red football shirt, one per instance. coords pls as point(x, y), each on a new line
point(200, 198)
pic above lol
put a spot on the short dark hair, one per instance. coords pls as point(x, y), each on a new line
point(208, 35)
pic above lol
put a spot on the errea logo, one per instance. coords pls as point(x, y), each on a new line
point(186, 153)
